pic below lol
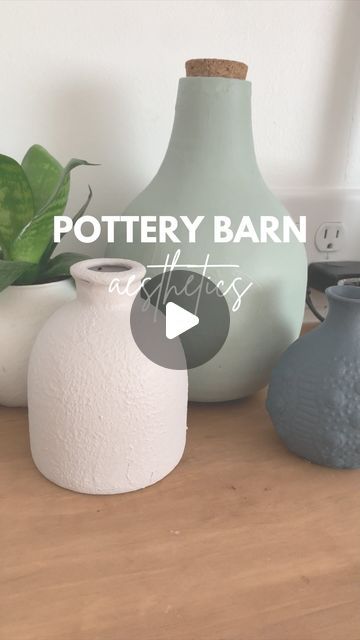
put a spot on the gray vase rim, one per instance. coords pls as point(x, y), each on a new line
point(344, 293)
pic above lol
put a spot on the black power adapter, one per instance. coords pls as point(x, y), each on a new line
point(322, 275)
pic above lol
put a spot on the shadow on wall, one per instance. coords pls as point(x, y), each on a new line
point(339, 107)
point(91, 119)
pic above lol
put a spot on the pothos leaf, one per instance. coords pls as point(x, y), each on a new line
point(44, 172)
point(52, 245)
point(34, 238)
point(16, 202)
point(60, 265)
point(11, 271)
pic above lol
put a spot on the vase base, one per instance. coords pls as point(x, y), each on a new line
point(327, 461)
point(97, 489)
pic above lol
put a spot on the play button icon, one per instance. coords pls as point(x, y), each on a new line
point(178, 320)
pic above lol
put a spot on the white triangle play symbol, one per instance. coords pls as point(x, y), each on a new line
point(178, 320)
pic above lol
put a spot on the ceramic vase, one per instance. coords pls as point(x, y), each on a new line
point(314, 393)
point(23, 311)
point(210, 169)
point(103, 418)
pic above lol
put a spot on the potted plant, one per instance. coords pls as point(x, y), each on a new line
point(33, 283)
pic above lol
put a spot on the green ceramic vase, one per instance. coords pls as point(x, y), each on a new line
point(210, 169)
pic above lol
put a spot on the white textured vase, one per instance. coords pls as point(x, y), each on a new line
point(23, 311)
point(103, 417)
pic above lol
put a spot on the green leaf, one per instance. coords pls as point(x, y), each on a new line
point(52, 202)
point(52, 245)
point(34, 238)
point(44, 172)
point(11, 271)
point(60, 265)
point(30, 276)
point(16, 202)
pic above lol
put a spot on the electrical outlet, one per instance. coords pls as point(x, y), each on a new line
point(326, 205)
point(329, 236)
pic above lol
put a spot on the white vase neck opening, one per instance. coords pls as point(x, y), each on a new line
point(107, 281)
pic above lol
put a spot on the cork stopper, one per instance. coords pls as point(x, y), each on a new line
point(213, 67)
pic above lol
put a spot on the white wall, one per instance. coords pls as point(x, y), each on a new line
point(98, 80)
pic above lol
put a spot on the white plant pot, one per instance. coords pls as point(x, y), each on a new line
point(23, 311)
point(103, 417)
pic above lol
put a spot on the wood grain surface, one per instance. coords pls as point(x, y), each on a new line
point(243, 541)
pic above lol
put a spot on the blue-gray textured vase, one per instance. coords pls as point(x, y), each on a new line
point(314, 392)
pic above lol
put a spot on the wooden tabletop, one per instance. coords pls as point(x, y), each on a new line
point(243, 541)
